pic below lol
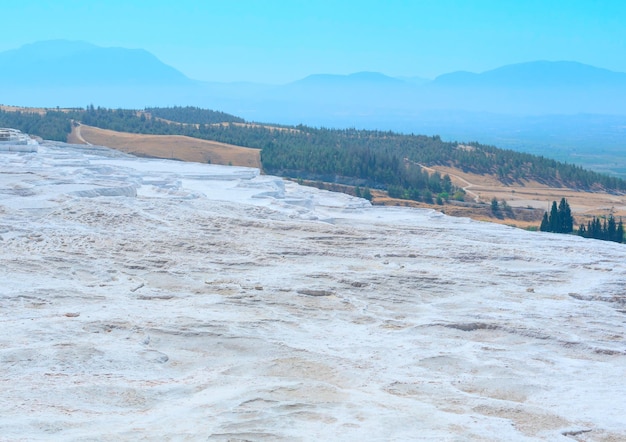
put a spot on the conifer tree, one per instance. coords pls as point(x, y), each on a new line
point(611, 230)
point(560, 219)
point(606, 230)
point(367, 194)
point(566, 221)
point(495, 208)
point(545, 223)
point(554, 218)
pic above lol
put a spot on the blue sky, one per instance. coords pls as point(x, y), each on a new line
point(278, 41)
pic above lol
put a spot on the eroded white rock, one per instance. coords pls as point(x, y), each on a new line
point(214, 303)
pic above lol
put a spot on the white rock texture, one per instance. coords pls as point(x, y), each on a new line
point(157, 300)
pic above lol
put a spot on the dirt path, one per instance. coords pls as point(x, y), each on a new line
point(79, 136)
point(533, 194)
point(459, 178)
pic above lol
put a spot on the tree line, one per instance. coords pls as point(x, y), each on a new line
point(607, 230)
point(53, 125)
point(192, 115)
point(560, 220)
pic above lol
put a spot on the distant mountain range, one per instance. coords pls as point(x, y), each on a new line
point(537, 75)
point(62, 73)
point(532, 106)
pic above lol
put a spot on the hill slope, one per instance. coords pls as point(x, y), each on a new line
point(378, 159)
point(566, 110)
point(173, 147)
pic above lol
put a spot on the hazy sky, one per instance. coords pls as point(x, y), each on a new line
point(278, 41)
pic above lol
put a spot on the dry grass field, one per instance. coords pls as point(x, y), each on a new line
point(528, 201)
point(523, 198)
point(537, 195)
point(169, 146)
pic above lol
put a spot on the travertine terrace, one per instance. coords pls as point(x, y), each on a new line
point(157, 300)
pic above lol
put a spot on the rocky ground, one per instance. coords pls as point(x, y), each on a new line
point(149, 299)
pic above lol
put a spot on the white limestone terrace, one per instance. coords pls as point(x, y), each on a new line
point(13, 140)
point(158, 300)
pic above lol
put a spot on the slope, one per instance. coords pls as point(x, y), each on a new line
point(173, 147)
point(183, 300)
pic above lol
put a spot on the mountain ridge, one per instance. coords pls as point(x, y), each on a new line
point(78, 63)
point(549, 72)
point(533, 74)
point(494, 106)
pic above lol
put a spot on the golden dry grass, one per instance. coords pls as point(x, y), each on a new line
point(170, 147)
point(537, 195)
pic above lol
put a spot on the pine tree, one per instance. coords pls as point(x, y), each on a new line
point(566, 221)
point(545, 223)
point(619, 233)
point(495, 208)
point(367, 194)
point(560, 219)
point(553, 219)
point(611, 230)
point(596, 230)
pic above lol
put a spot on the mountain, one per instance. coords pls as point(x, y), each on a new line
point(534, 106)
point(537, 75)
point(178, 301)
point(78, 64)
point(370, 99)
point(71, 73)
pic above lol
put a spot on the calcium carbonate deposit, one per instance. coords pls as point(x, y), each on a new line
point(158, 300)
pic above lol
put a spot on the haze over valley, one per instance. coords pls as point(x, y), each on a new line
point(565, 110)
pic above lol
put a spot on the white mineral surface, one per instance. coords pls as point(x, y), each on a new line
point(158, 300)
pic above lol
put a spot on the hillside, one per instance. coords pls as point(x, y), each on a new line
point(175, 147)
point(528, 201)
point(566, 110)
point(173, 300)
point(404, 167)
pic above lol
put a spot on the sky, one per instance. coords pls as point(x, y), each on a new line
point(279, 41)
